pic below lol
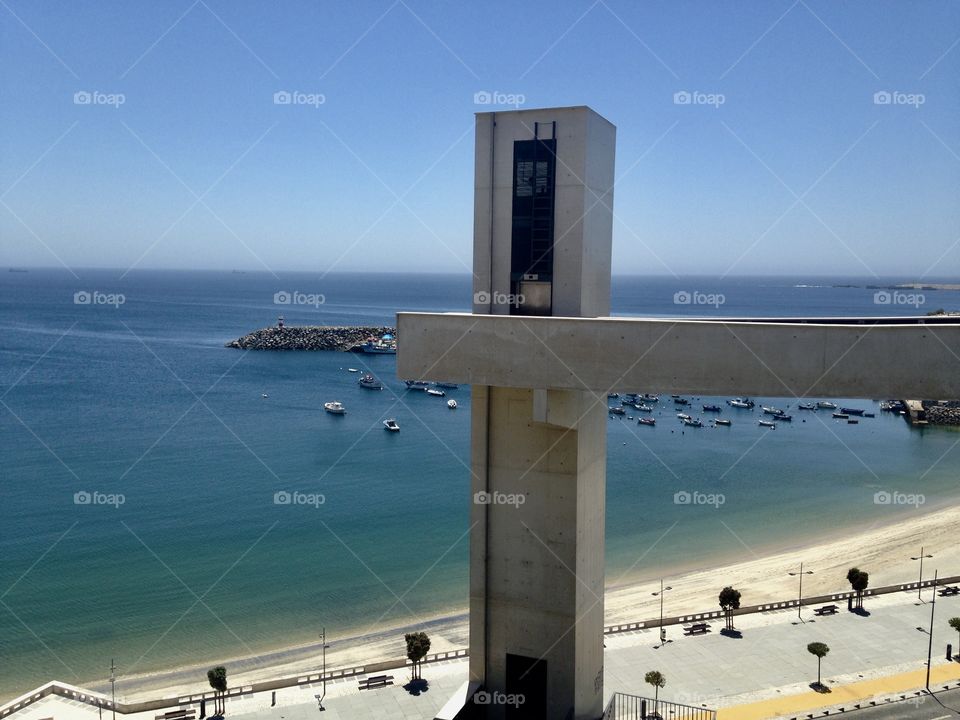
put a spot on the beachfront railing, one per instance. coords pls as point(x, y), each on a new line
point(634, 707)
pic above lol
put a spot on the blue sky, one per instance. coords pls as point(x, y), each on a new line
point(799, 170)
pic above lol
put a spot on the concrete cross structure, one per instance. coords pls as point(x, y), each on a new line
point(541, 353)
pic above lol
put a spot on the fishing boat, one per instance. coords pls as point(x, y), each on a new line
point(745, 403)
point(693, 422)
point(386, 345)
point(840, 416)
point(826, 405)
point(783, 417)
point(647, 421)
point(726, 423)
point(712, 408)
point(616, 410)
point(771, 410)
point(452, 404)
point(643, 408)
point(851, 411)
point(683, 416)
point(416, 384)
point(334, 408)
point(369, 382)
point(767, 424)
point(391, 425)
point(807, 406)
point(647, 397)
point(435, 392)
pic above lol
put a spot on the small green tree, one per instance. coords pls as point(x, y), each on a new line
point(729, 601)
point(859, 581)
point(418, 645)
point(820, 650)
point(217, 677)
point(658, 680)
point(955, 624)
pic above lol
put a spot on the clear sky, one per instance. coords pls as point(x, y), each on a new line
point(175, 155)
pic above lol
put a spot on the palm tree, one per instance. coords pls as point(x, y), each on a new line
point(658, 680)
point(955, 624)
point(729, 601)
point(418, 645)
point(217, 677)
point(820, 650)
point(859, 580)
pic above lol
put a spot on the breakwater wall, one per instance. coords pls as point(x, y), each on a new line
point(309, 337)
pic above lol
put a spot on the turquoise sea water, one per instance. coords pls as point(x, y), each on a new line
point(199, 563)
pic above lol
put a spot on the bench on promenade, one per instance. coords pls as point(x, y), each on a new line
point(950, 590)
point(826, 610)
point(375, 681)
point(179, 714)
point(697, 629)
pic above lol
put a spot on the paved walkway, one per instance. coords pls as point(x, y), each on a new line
point(765, 673)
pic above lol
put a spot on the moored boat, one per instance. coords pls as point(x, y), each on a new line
point(840, 416)
point(646, 421)
point(744, 403)
point(614, 410)
point(683, 416)
point(391, 425)
point(416, 384)
point(693, 422)
point(851, 421)
point(435, 392)
point(647, 397)
point(712, 408)
point(369, 382)
point(772, 410)
point(334, 408)
point(807, 406)
point(718, 421)
point(452, 404)
point(643, 408)
point(783, 418)
point(826, 405)
point(767, 424)
point(851, 411)
point(447, 385)
point(680, 401)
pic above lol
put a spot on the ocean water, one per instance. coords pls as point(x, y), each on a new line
point(141, 401)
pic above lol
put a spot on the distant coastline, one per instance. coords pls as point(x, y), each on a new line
point(906, 286)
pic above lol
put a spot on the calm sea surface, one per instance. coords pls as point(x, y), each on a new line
point(199, 563)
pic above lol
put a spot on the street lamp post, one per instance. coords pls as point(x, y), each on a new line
point(323, 676)
point(933, 606)
point(920, 557)
point(113, 688)
point(663, 589)
point(800, 594)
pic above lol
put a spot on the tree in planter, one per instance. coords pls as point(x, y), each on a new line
point(820, 650)
point(729, 601)
point(859, 581)
point(955, 624)
point(658, 680)
point(418, 645)
point(217, 677)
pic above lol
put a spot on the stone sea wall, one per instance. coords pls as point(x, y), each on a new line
point(311, 337)
point(945, 413)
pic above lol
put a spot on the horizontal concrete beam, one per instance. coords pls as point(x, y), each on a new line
point(866, 358)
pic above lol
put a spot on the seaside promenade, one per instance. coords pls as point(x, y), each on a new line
point(766, 673)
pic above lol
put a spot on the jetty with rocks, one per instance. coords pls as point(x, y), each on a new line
point(310, 337)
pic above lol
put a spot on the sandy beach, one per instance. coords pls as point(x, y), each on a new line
point(884, 551)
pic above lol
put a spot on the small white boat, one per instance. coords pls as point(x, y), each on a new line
point(683, 416)
point(334, 407)
point(435, 392)
point(352, 370)
point(264, 395)
point(452, 404)
point(767, 424)
point(391, 425)
point(826, 405)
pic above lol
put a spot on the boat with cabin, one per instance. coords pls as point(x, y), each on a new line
point(369, 382)
point(647, 421)
point(391, 425)
point(334, 407)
